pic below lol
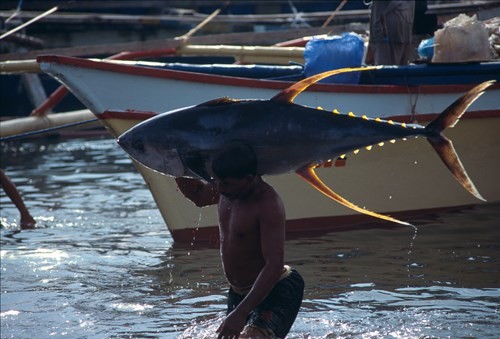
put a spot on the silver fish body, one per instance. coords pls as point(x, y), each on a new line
point(285, 136)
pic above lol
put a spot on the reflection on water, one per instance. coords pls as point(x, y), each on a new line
point(103, 265)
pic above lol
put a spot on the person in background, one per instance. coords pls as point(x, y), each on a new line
point(26, 220)
point(391, 31)
point(264, 295)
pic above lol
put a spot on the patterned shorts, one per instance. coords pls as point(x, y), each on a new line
point(278, 311)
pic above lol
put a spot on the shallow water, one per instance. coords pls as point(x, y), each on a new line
point(103, 265)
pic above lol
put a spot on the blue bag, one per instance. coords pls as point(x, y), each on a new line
point(426, 49)
point(325, 54)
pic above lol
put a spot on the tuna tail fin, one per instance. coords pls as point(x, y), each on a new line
point(308, 174)
point(289, 93)
point(443, 146)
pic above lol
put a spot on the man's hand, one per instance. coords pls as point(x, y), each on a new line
point(198, 191)
point(232, 326)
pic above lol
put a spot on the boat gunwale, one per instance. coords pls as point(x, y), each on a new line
point(109, 66)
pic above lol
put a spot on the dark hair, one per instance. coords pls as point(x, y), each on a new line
point(235, 160)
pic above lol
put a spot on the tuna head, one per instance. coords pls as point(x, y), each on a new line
point(146, 144)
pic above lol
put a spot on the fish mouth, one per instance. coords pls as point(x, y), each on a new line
point(123, 142)
point(130, 144)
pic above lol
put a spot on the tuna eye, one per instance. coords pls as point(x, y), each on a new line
point(138, 145)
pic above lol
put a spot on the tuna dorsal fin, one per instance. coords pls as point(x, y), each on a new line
point(310, 176)
point(288, 94)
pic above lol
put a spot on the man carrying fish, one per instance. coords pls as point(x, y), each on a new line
point(264, 295)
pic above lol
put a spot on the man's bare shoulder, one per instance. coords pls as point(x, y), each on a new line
point(266, 193)
point(268, 200)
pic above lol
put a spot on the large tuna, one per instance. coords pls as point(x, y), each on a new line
point(285, 136)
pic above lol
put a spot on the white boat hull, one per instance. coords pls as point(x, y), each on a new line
point(402, 179)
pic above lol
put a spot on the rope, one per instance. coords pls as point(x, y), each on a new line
point(46, 130)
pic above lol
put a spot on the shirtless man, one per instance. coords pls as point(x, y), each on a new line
point(264, 295)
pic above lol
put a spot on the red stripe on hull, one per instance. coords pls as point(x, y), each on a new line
point(312, 226)
point(126, 115)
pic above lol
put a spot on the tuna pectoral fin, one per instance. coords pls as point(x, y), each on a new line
point(443, 146)
point(310, 176)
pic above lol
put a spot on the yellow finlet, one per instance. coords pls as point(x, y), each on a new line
point(308, 174)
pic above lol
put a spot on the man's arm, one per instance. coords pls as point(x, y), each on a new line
point(27, 221)
point(200, 192)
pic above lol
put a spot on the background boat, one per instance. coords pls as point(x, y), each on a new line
point(105, 28)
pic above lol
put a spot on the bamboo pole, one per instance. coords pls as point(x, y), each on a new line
point(33, 123)
point(238, 51)
point(19, 66)
point(26, 24)
point(330, 18)
point(248, 54)
point(199, 26)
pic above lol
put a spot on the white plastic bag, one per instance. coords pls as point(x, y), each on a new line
point(462, 39)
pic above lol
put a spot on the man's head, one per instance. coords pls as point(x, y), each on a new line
point(235, 167)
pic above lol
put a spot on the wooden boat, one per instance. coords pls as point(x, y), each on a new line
point(405, 179)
